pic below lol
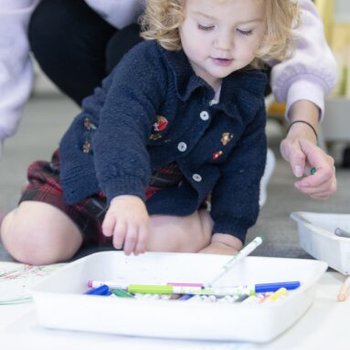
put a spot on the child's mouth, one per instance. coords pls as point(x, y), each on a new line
point(222, 61)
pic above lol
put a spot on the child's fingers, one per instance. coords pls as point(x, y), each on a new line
point(119, 234)
point(108, 225)
point(130, 239)
point(142, 240)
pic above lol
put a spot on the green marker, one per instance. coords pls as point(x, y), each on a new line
point(168, 289)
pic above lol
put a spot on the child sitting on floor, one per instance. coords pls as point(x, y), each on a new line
point(179, 123)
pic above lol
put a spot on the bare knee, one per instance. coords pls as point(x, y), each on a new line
point(180, 234)
point(37, 233)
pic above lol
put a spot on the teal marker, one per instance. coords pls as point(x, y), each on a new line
point(313, 171)
point(121, 293)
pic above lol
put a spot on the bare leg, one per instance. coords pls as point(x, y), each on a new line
point(37, 233)
point(180, 234)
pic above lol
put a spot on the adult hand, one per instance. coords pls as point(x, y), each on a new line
point(303, 155)
point(127, 221)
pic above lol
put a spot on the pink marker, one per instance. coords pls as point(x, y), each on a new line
point(185, 284)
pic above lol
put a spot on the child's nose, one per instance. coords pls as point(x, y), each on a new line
point(224, 41)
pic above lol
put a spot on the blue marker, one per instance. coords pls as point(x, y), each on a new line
point(102, 290)
point(272, 287)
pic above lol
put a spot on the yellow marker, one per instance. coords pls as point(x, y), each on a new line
point(278, 294)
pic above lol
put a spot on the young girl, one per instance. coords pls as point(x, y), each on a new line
point(101, 32)
point(179, 122)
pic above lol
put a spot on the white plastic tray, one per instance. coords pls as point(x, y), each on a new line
point(316, 236)
point(60, 303)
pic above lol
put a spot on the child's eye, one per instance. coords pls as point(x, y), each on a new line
point(244, 32)
point(205, 27)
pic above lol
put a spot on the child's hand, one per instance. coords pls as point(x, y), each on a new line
point(127, 221)
point(223, 244)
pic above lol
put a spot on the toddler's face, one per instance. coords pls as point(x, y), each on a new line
point(221, 36)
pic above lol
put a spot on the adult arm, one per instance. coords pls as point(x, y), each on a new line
point(118, 13)
point(310, 73)
point(303, 81)
point(15, 65)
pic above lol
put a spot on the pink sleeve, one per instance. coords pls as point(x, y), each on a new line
point(311, 72)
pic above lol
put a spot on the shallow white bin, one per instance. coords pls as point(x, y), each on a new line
point(317, 237)
point(60, 302)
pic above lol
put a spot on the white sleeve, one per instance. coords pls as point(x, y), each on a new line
point(15, 65)
point(311, 72)
point(118, 13)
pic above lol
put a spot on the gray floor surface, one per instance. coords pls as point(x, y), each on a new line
point(46, 118)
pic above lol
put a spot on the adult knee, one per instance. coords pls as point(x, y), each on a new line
point(47, 30)
point(120, 43)
point(68, 40)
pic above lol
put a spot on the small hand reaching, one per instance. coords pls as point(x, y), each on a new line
point(127, 221)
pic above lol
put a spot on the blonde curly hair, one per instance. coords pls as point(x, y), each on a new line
point(162, 19)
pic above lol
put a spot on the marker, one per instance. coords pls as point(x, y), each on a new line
point(238, 257)
point(218, 291)
point(276, 295)
point(272, 287)
point(344, 290)
point(167, 289)
point(185, 284)
point(122, 293)
point(185, 297)
point(341, 233)
point(101, 290)
point(241, 298)
point(110, 284)
point(196, 288)
point(252, 299)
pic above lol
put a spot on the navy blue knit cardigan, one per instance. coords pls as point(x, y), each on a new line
point(153, 110)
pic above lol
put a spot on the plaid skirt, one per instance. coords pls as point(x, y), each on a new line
point(44, 186)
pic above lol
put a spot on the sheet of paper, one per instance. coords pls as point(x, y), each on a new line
point(16, 278)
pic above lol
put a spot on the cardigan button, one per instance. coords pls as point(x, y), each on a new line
point(197, 177)
point(88, 125)
point(181, 146)
point(204, 115)
point(86, 147)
